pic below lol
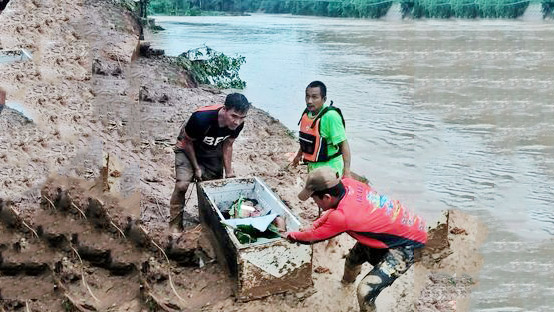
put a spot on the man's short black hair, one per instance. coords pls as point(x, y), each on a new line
point(335, 191)
point(320, 85)
point(237, 102)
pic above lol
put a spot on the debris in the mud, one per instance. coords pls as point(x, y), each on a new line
point(458, 231)
point(147, 51)
point(67, 271)
point(154, 303)
point(106, 68)
point(145, 95)
point(115, 174)
point(321, 269)
point(11, 217)
point(152, 180)
point(190, 248)
point(137, 234)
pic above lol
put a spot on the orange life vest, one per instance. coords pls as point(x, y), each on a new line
point(314, 146)
point(207, 108)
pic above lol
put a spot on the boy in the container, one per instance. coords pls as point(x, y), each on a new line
point(387, 234)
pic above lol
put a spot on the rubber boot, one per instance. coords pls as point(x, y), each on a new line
point(350, 274)
point(368, 307)
point(367, 304)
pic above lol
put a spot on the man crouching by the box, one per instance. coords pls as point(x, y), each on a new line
point(204, 148)
point(386, 232)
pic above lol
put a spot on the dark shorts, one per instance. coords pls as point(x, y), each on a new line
point(359, 254)
point(212, 168)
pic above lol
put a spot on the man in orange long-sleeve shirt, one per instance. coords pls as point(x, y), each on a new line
point(386, 232)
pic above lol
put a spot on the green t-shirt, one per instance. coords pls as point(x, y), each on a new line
point(332, 129)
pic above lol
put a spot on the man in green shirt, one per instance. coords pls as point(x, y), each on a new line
point(322, 133)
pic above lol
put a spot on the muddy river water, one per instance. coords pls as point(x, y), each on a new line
point(440, 114)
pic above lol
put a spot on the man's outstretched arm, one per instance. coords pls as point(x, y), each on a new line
point(331, 227)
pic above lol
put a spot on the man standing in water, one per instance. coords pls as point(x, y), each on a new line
point(385, 231)
point(204, 148)
point(322, 133)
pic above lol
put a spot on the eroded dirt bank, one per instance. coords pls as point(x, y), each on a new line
point(85, 183)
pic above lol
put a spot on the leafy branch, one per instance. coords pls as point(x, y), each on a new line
point(208, 66)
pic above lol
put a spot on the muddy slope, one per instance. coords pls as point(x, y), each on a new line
point(87, 174)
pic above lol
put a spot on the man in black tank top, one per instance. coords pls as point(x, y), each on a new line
point(204, 148)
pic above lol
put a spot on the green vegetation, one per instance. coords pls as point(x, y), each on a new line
point(464, 8)
point(181, 8)
point(129, 5)
point(353, 8)
point(548, 8)
point(334, 8)
point(208, 66)
point(247, 234)
point(291, 133)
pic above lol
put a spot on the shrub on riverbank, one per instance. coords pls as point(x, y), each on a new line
point(208, 66)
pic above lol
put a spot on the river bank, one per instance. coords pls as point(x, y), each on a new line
point(90, 95)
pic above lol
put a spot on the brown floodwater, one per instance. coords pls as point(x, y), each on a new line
point(440, 114)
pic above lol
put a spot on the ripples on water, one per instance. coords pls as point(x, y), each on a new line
point(440, 114)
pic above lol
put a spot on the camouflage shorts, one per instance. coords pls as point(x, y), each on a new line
point(388, 265)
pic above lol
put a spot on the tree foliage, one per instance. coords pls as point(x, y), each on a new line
point(335, 8)
point(548, 8)
point(208, 66)
point(355, 8)
point(464, 8)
